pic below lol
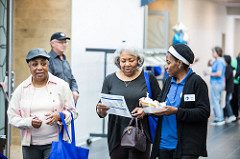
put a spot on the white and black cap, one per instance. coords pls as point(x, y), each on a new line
point(182, 52)
point(59, 36)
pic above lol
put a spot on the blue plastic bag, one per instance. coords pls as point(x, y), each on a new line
point(2, 156)
point(64, 150)
point(152, 120)
point(155, 70)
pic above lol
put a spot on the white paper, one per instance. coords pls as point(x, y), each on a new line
point(116, 103)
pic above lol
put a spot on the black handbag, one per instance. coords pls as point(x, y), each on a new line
point(133, 136)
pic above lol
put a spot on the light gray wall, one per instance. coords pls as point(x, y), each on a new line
point(206, 21)
point(106, 23)
point(99, 24)
point(237, 37)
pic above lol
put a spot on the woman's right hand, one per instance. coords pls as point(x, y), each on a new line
point(102, 109)
point(36, 122)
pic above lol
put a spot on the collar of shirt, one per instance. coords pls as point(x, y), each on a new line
point(175, 92)
point(51, 79)
point(55, 55)
point(173, 80)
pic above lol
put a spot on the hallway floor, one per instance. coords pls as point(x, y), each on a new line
point(223, 143)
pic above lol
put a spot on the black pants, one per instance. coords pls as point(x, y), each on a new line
point(235, 103)
point(36, 151)
point(169, 154)
point(122, 153)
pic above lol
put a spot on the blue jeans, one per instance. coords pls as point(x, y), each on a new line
point(228, 108)
point(216, 91)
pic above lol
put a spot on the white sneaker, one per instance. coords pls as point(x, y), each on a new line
point(220, 123)
point(230, 119)
point(217, 123)
point(213, 123)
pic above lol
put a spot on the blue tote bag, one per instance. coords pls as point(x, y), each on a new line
point(152, 121)
point(64, 150)
point(2, 156)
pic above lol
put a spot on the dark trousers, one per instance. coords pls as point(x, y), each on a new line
point(235, 103)
point(169, 154)
point(228, 108)
point(166, 154)
point(36, 151)
point(123, 153)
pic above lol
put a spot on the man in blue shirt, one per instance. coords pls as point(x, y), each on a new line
point(58, 64)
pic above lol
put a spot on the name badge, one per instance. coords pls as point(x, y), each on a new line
point(189, 97)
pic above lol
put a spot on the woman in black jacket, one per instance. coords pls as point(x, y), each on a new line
point(182, 124)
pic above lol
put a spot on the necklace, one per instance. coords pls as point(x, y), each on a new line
point(127, 83)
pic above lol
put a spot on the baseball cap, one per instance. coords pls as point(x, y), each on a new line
point(59, 36)
point(37, 52)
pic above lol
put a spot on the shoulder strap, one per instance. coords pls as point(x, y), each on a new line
point(73, 141)
point(64, 127)
point(156, 142)
point(146, 76)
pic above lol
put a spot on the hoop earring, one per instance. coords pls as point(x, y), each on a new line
point(139, 63)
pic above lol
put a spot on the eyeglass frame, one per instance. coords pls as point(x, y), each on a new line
point(60, 41)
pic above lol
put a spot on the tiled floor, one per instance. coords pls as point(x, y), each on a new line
point(223, 143)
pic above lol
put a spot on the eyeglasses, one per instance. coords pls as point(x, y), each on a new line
point(62, 42)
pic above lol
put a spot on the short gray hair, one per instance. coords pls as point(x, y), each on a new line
point(131, 51)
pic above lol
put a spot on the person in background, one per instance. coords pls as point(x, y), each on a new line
point(217, 82)
point(129, 82)
point(183, 122)
point(228, 113)
point(58, 64)
point(35, 105)
point(236, 93)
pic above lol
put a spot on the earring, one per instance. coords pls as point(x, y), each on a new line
point(139, 63)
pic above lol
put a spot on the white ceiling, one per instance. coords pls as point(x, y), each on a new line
point(232, 3)
point(232, 6)
point(227, 1)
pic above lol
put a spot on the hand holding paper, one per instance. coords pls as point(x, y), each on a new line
point(102, 109)
point(116, 104)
